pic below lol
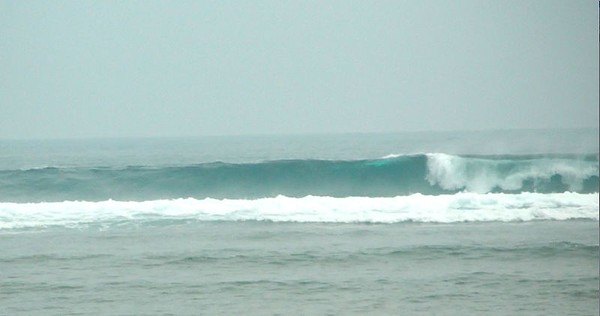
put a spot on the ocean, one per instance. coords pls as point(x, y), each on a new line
point(443, 223)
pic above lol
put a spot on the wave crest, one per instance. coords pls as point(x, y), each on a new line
point(430, 174)
point(482, 175)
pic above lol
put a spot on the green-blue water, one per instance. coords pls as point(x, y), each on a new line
point(354, 224)
point(393, 176)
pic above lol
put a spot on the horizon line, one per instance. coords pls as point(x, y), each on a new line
point(75, 138)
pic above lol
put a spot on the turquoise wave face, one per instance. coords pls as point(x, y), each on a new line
point(430, 174)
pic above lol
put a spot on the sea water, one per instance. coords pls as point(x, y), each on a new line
point(453, 223)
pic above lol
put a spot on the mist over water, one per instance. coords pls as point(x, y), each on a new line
point(495, 223)
point(391, 158)
point(28, 154)
point(370, 177)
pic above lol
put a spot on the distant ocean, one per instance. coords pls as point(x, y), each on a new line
point(445, 223)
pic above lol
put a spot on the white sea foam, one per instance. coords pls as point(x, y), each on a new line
point(392, 156)
point(459, 207)
point(482, 175)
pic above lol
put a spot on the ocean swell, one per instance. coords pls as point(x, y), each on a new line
point(429, 174)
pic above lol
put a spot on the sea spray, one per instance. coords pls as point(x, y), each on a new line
point(430, 174)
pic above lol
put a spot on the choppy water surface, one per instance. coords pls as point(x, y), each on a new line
point(490, 223)
point(180, 268)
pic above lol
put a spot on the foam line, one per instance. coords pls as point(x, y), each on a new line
point(461, 207)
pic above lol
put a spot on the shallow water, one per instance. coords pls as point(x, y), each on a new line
point(527, 268)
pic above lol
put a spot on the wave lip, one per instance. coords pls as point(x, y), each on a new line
point(431, 174)
point(509, 174)
point(461, 207)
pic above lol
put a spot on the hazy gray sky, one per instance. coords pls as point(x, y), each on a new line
point(186, 68)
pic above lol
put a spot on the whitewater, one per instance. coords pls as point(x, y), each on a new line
point(402, 175)
point(461, 207)
point(496, 223)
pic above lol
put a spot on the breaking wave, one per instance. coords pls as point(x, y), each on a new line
point(460, 207)
point(394, 175)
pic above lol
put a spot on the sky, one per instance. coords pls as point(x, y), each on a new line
point(194, 68)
